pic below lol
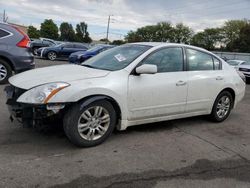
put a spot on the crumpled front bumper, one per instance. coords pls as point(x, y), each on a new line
point(28, 114)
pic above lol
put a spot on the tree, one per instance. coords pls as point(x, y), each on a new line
point(33, 32)
point(49, 29)
point(162, 32)
point(231, 31)
point(132, 36)
point(105, 40)
point(208, 39)
point(118, 42)
point(67, 32)
point(182, 34)
point(242, 44)
point(82, 33)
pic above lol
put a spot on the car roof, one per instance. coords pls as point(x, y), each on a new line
point(163, 44)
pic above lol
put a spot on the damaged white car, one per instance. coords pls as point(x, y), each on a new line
point(128, 85)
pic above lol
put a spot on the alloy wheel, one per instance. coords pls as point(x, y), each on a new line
point(52, 56)
point(35, 51)
point(223, 106)
point(93, 123)
point(3, 72)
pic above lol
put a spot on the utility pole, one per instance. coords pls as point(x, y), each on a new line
point(107, 37)
point(5, 17)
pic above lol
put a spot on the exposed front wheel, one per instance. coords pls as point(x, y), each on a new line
point(5, 72)
point(52, 56)
point(222, 106)
point(90, 125)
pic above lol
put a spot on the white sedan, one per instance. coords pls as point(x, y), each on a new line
point(128, 85)
point(236, 63)
point(245, 69)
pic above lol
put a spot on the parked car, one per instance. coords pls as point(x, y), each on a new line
point(42, 42)
point(61, 50)
point(15, 55)
point(235, 63)
point(245, 69)
point(81, 56)
point(128, 85)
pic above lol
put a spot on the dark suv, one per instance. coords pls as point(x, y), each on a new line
point(15, 54)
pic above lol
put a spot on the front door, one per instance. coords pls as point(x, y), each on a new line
point(160, 94)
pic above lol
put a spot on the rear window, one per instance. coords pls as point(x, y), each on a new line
point(3, 33)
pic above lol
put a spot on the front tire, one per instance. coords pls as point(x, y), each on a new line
point(222, 107)
point(5, 71)
point(52, 56)
point(90, 125)
point(34, 51)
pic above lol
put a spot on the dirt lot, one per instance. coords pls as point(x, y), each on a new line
point(190, 152)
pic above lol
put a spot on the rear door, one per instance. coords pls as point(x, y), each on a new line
point(205, 80)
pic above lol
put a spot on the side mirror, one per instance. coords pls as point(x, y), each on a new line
point(146, 69)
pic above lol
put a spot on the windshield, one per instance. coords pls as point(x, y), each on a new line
point(233, 62)
point(116, 58)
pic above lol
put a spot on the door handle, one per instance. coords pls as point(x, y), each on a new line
point(219, 78)
point(181, 83)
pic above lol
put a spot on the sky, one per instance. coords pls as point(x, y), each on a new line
point(126, 15)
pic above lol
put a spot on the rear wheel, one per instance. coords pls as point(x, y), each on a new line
point(52, 56)
point(34, 50)
point(91, 125)
point(222, 106)
point(5, 71)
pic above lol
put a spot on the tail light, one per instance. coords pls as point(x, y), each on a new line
point(24, 43)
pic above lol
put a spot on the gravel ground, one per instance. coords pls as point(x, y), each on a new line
point(191, 152)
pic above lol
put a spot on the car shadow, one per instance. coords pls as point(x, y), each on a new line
point(51, 138)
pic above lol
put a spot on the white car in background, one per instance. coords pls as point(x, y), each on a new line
point(245, 69)
point(128, 85)
point(236, 63)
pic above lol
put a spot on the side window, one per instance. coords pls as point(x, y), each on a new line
point(68, 46)
point(216, 64)
point(79, 46)
point(198, 61)
point(48, 42)
point(3, 33)
point(166, 60)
